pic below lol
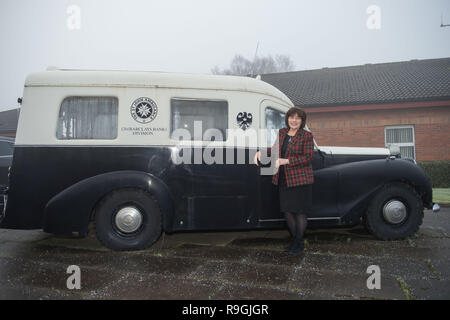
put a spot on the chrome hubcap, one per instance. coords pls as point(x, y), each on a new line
point(394, 212)
point(128, 219)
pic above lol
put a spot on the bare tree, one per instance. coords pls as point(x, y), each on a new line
point(241, 66)
point(284, 63)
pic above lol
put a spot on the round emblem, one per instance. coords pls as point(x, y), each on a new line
point(144, 110)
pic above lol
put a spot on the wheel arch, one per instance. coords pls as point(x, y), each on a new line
point(424, 190)
point(366, 201)
point(376, 174)
point(72, 209)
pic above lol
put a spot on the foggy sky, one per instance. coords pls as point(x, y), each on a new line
point(196, 35)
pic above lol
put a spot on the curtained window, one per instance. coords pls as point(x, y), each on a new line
point(88, 118)
point(402, 136)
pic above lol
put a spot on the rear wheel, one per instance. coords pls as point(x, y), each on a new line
point(128, 219)
point(396, 212)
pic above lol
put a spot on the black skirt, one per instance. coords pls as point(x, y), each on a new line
point(296, 199)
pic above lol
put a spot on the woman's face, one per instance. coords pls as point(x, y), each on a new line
point(294, 121)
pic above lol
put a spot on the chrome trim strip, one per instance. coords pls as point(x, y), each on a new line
point(325, 218)
point(137, 145)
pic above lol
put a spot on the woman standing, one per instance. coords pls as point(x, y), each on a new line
point(294, 175)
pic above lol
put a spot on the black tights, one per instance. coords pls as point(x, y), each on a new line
point(296, 223)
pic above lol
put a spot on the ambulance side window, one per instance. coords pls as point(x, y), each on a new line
point(197, 117)
point(274, 122)
point(88, 118)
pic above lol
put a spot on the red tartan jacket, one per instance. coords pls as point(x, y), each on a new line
point(300, 152)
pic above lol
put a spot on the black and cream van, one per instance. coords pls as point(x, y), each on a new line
point(105, 146)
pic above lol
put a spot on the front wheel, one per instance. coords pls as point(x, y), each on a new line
point(128, 219)
point(396, 212)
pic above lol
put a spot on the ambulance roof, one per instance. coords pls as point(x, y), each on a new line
point(143, 79)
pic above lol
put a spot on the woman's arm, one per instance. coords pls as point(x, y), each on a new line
point(306, 157)
point(268, 151)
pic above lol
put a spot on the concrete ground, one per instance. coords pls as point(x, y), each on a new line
point(231, 265)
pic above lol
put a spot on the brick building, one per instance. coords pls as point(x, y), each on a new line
point(374, 105)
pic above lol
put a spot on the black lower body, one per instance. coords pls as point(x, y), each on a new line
point(202, 197)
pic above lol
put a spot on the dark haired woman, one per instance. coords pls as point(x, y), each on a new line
point(294, 176)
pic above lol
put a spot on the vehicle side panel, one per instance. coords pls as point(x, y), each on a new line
point(203, 197)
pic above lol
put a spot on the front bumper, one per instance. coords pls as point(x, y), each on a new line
point(436, 207)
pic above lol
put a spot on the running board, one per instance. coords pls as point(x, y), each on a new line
point(324, 218)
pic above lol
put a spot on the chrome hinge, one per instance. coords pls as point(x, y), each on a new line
point(5, 201)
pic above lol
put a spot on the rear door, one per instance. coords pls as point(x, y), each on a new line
point(221, 193)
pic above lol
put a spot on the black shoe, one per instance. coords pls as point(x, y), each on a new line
point(289, 247)
point(297, 246)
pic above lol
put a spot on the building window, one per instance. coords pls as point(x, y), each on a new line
point(210, 114)
point(402, 136)
point(88, 118)
point(274, 122)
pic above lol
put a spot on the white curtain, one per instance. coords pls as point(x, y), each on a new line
point(88, 118)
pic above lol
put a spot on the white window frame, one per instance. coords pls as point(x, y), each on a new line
point(404, 144)
point(270, 143)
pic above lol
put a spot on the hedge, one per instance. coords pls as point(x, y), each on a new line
point(438, 172)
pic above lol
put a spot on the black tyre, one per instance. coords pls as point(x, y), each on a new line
point(128, 219)
point(396, 212)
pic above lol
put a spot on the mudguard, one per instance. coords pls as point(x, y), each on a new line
point(70, 210)
point(359, 181)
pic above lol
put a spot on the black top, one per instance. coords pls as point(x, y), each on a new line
point(281, 174)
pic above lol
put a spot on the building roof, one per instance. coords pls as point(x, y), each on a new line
point(415, 80)
point(145, 79)
point(8, 122)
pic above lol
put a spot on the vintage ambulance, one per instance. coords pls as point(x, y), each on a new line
point(105, 147)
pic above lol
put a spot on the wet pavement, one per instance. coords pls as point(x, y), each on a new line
point(231, 265)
